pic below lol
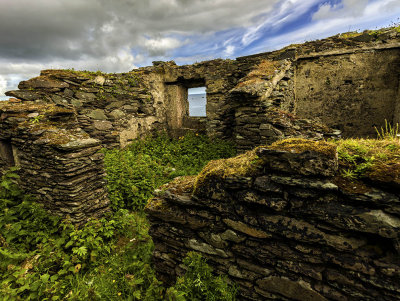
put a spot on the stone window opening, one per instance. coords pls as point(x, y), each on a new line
point(197, 99)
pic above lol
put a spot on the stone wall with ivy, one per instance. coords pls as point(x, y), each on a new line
point(58, 163)
point(287, 222)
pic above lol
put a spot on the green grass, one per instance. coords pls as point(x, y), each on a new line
point(45, 258)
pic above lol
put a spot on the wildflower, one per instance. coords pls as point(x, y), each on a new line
point(113, 281)
point(119, 294)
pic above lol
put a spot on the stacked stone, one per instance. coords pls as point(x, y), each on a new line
point(289, 230)
point(263, 111)
point(106, 103)
point(68, 178)
point(59, 164)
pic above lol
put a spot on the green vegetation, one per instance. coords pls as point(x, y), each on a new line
point(45, 258)
point(376, 159)
point(199, 283)
point(85, 73)
point(135, 172)
point(389, 132)
point(374, 33)
point(359, 159)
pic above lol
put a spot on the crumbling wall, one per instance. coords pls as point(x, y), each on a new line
point(348, 81)
point(114, 108)
point(284, 225)
point(263, 102)
point(59, 163)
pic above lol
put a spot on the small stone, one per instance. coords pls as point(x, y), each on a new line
point(42, 82)
point(205, 248)
point(85, 95)
point(234, 271)
point(130, 108)
point(117, 114)
point(232, 236)
point(25, 95)
point(97, 114)
point(99, 80)
point(298, 290)
point(102, 125)
point(242, 227)
point(76, 102)
point(33, 115)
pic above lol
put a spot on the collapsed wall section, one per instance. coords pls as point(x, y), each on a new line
point(58, 163)
point(283, 224)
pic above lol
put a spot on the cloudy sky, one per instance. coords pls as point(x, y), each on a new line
point(119, 35)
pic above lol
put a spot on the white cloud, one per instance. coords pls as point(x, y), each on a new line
point(345, 8)
point(334, 22)
point(287, 11)
point(160, 46)
point(229, 50)
point(3, 85)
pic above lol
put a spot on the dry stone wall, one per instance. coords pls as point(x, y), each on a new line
point(114, 108)
point(348, 82)
point(283, 226)
point(219, 77)
point(263, 103)
point(59, 163)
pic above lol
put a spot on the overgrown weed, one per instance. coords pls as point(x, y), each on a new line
point(45, 258)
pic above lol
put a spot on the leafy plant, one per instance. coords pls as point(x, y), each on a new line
point(135, 172)
point(199, 283)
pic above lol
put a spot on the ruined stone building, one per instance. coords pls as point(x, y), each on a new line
point(346, 85)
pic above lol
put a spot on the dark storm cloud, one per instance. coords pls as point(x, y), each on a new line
point(55, 29)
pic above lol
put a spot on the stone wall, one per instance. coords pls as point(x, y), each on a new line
point(283, 225)
point(114, 108)
point(263, 104)
point(349, 82)
point(59, 163)
point(218, 76)
point(354, 92)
